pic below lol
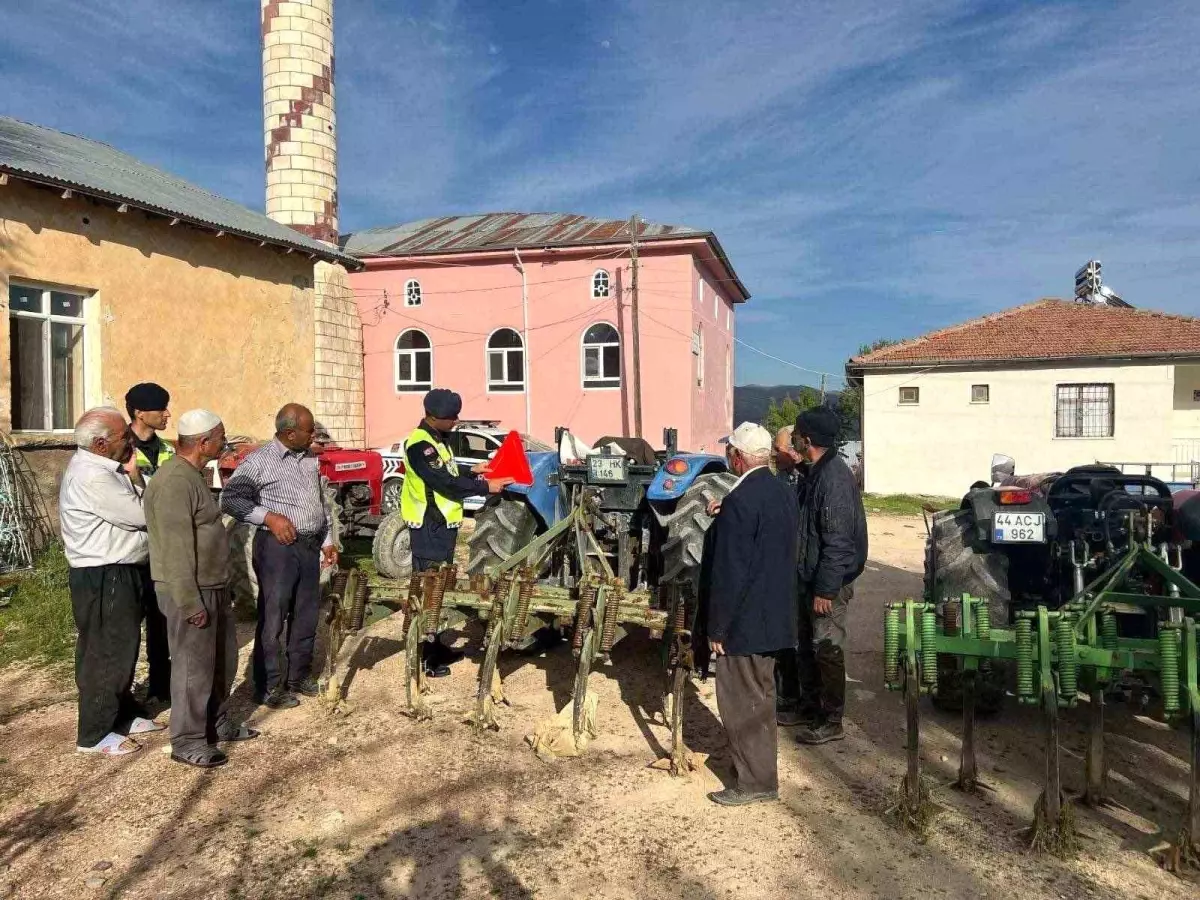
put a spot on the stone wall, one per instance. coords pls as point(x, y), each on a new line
point(340, 401)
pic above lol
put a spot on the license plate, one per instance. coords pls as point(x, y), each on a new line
point(1019, 528)
point(606, 469)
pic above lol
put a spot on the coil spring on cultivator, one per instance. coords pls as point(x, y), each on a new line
point(338, 587)
point(358, 609)
point(583, 614)
point(433, 607)
point(612, 609)
point(499, 598)
point(416, 585)
point(952, 617)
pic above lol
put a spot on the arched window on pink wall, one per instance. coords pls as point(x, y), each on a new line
point(414, 362)
point(601, 360)
point(505, 361)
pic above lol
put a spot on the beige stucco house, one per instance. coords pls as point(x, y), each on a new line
point(114, 272)
point(1053, 384)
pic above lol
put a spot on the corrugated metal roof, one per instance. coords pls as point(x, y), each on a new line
point(502, 231)
point(90, 167)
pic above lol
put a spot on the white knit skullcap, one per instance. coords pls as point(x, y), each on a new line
point(197, 421)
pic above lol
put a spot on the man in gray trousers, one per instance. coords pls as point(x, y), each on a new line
point(189, 562)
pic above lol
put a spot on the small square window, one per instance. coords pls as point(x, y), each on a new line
point(1196, 396)
point(980, 393)
point(910, 396)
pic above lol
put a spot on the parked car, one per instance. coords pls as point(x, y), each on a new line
point(471, 442)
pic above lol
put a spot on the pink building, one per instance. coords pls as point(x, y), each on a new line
point(529, 317)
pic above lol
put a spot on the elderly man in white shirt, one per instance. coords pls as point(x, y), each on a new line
point(107, 548)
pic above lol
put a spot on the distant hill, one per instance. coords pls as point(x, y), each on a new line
point(750, 401)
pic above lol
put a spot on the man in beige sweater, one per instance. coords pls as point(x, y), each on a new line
point(189, 562)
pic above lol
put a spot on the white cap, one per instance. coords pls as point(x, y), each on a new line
point(197, 421)
point(751, 439)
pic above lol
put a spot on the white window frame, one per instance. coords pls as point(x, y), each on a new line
point(507, 385)
point(413, 293)
point(412, 386)
point(591, 383)
point(716, 308)
point(1081, 415)
point(916, 395)
point(47, 362)
point(698, 352)
point(700, 293)
point(729, 317)
point(596, 294)
point(987, 394)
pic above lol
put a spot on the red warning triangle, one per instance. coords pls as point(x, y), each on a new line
point(510, 461)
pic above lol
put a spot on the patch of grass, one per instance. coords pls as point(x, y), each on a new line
point(37, 625)
point(905, 504)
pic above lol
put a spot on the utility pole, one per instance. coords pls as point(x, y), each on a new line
point(822, 390)
point(637, 342)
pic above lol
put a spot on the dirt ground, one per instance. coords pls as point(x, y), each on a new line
point(374, 805)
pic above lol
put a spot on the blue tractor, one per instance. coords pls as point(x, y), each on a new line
point(647, 510)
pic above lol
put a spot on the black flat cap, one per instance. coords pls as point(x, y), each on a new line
point(147, 396)
point(820, 425)
point(443, 404)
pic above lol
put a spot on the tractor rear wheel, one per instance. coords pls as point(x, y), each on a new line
point(956, 564)
point(502, 527)
point(683, 546)
point(392, 547)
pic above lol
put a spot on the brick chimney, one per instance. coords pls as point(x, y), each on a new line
point(298, 117)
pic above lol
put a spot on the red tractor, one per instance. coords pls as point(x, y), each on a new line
point(352, 479)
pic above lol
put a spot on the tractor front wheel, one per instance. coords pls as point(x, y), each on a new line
point(392, 548)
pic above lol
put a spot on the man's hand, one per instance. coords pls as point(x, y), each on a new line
point(200, 619)
point(496, 485)
point(717, 647)
point(281, 527)
point(329, 556)
point(822, 606)
point(480, 468)
point(132, 470)
point(714, 507)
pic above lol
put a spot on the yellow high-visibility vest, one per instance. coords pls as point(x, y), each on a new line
point(414, 497)
point(165, 451)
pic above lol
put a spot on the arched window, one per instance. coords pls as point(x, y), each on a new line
point(412, 292)
point(601, 357)
point(414, 361)
point(600, 284)
point(505, 361)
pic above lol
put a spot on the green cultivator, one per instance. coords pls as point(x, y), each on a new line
point(615, 544)
point(1136, 620)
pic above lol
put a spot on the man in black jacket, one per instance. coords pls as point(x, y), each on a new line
point(832, 553)
point(752, 611)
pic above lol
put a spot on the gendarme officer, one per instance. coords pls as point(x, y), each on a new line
point(431, 500)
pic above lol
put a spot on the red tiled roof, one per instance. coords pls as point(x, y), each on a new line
point(1047, 329)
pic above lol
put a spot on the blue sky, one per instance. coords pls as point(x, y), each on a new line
point(874, 169)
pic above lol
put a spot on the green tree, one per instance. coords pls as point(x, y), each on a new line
point(851, 399)
point(783, 412)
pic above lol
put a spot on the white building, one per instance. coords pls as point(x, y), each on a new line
point(1053, 384)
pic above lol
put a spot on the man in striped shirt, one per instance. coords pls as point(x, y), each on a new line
point(278, 489)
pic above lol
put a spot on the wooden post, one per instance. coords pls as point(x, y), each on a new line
point(637, 343)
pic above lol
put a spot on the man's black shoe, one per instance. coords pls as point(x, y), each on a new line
point(822, 733)
point(277, 700)
point(436, 670)
point(736, 797)
point(308, 687)
point(789, 718)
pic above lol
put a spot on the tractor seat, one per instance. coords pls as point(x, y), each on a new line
point(638, 450)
